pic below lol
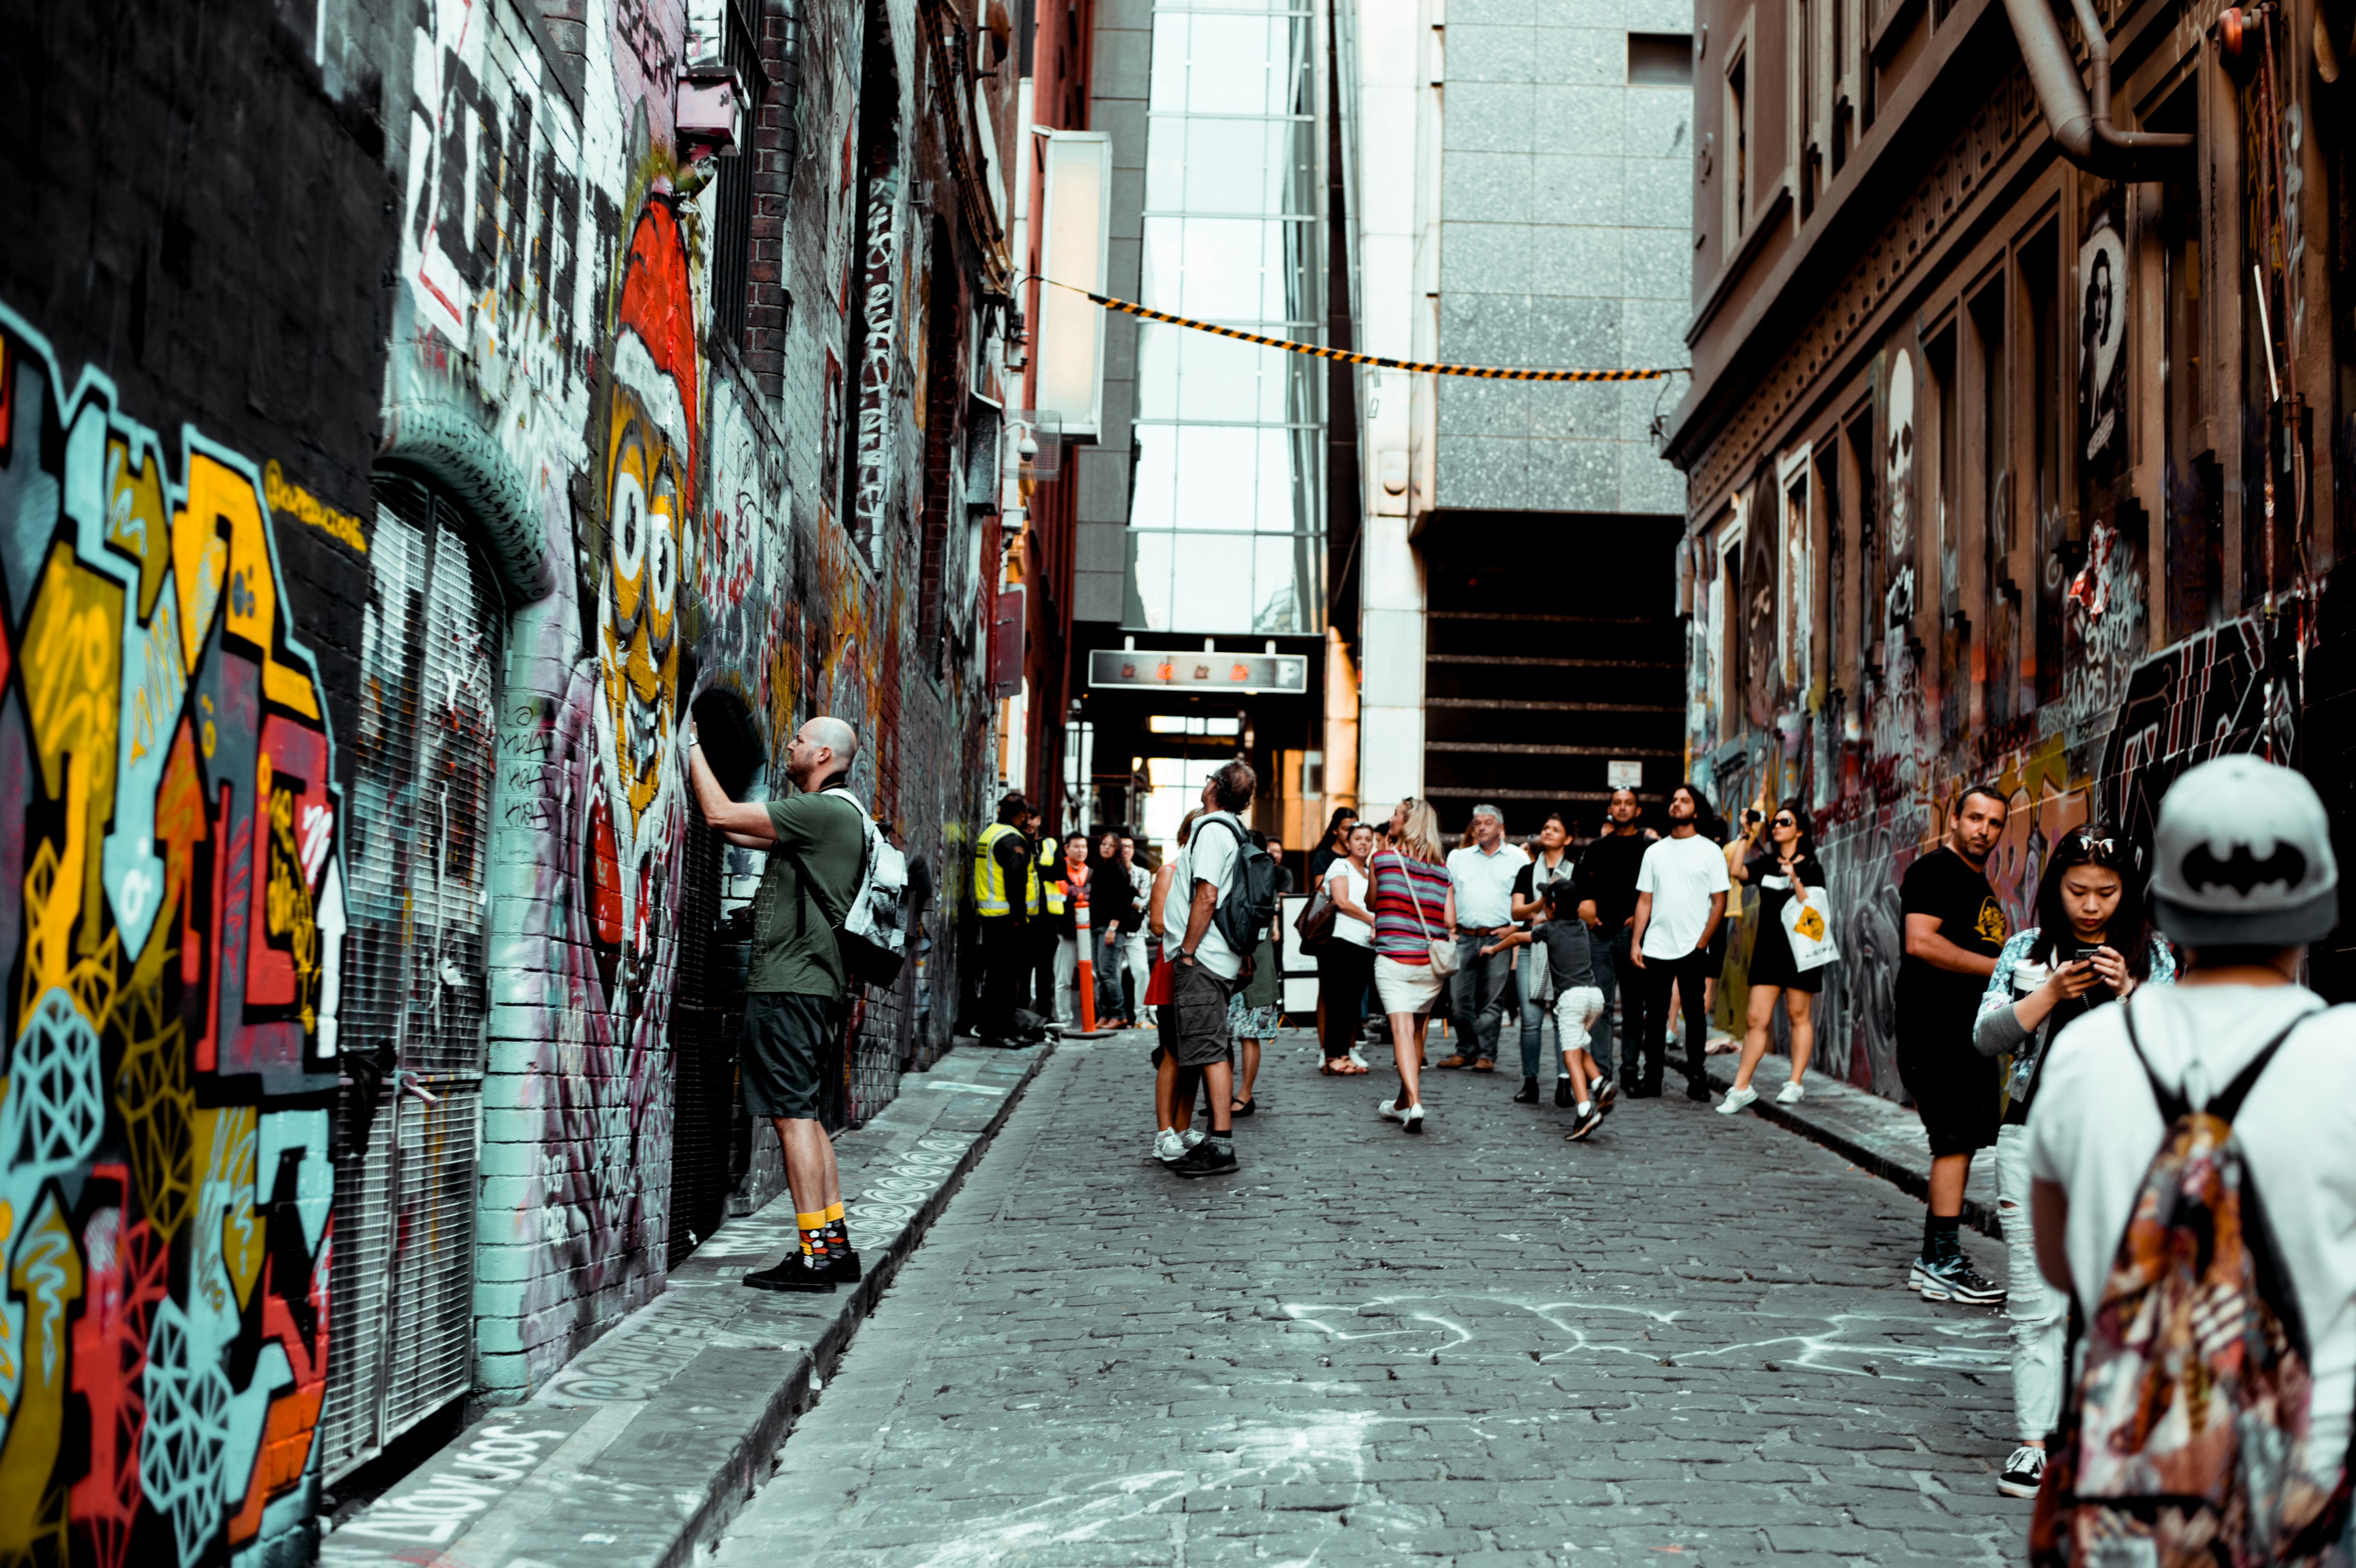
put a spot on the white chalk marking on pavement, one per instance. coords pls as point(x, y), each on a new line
point(955, 1088)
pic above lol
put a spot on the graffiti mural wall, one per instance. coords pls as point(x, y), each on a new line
point(351, 905)
point(173, 923)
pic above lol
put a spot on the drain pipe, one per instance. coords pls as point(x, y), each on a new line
point(2083, 132)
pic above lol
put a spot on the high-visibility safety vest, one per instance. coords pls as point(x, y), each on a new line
point(1059, 892)
point(1056, 896)
point(990, 876)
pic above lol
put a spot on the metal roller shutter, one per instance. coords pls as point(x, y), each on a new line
point(414, 992)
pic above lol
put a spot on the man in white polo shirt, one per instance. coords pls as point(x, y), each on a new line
point(1482, 992)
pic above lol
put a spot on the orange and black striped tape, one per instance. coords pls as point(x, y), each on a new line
point(1483, 372)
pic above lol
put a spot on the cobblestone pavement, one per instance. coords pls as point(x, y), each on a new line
point(1688, 1337)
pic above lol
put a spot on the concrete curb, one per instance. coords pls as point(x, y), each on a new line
point(1863, 1128)
point(642, 1448)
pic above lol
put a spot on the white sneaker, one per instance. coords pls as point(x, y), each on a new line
point(1792, 1094)
point(1168, 1146)
point(1354, 1057)
point(1736, 1099)
point(1192, 1136)
point(1388, 1110)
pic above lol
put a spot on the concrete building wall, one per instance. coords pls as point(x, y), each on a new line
point(1565, 217)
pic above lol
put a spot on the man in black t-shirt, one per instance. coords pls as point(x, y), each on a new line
point(1607, 895)
point(1954, 929)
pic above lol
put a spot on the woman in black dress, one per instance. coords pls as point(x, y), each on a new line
point(1782, 869)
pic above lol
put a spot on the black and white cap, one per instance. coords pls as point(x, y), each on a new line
point(2242, 857)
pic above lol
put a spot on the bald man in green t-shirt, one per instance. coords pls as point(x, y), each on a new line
point(794, 988)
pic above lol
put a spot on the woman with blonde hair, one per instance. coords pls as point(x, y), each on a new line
point(1415, 905)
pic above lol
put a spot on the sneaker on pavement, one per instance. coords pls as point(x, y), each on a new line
point(1388, 1110)
point(1736, 1099)
point(1168, 1146)
point(1562, 1094)
point(1207, 1159)
point(799, 1272)
point(1697, 1091)
point(2022, 1472)
point(1356, 1058)
point(1607, 1095)
point(1586, 1124)
point(842, 1267)
point(1954, 1279)
point(1192, 1136)
point(1792, 1096)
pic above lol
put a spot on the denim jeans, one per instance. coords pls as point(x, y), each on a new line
point(1537, 1021)
point(1607, 980)
point(2037, 1310)
point(1106, 966)
point(1479, 994)
point(1625, 975)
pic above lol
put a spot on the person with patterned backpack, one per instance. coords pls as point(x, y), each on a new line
point(2192, 1154)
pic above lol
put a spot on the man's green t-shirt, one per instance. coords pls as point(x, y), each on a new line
point(793, 941)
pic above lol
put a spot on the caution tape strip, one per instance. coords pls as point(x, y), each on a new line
point(1316, 350)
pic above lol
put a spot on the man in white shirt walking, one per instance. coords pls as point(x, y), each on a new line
point(1680, 897)
point(1481, 991)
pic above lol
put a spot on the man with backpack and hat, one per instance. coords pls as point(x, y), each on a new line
point(2193, 1155)
point(1221, 898)
point(825, 916)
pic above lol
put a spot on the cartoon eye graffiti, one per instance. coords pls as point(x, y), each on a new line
point(662, 546)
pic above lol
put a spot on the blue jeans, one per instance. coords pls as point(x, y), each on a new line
point(1479, 994)
point(1538, 1025)
point(1600, 949)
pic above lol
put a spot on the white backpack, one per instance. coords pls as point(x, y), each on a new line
point(868, 933)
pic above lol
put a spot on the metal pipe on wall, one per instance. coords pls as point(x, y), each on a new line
point(2082, 129)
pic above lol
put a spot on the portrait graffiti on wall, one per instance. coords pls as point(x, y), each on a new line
point(1898, 485)
point(2101, 330)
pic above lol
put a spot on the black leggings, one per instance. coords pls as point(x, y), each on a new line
point(1343, 969)
point(1688, 975)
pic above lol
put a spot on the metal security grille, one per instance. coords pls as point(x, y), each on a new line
point(706, 1010)
point(732, 241)
point(415, 998)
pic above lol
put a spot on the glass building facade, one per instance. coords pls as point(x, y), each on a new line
point(1226, 515)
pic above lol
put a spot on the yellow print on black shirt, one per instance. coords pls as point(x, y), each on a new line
point(1990, 927)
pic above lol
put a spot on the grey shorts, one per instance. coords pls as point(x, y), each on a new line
point(1200, 999)
point(790, 1037)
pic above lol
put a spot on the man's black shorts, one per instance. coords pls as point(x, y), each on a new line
point(788, 1039)
point(1953, 1086)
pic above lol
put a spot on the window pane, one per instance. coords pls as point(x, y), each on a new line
point(1216, 467)
point(1154, 501)
point(1284, 582)
point(1150, 557)
point(1229, 60)
point(1211, 583)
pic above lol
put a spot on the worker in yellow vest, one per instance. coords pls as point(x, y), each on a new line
point(1007, 902)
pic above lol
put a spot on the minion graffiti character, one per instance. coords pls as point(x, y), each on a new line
point(650, 479)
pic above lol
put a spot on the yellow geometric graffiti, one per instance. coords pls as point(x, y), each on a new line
point(221, 499)
point(151, 1087)
point(290, 911)
point(72, 660)
point(135, 518)
point(48, 1276)
point(226, 1134)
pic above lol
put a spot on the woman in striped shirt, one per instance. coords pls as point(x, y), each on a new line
point(1414, 902)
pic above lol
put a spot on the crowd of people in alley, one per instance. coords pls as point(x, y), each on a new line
point(1603, 954)
point(2173, 1111)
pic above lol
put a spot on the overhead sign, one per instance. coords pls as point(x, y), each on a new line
point(1622, 774)
point(1198, 671)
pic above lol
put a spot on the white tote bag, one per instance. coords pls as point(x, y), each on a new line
point(1808, 927)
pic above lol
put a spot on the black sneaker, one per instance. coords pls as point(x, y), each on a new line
point(2022, 1473)
point(1607, 1095)
point(1562, 1095)
point(1954, 1279)
point(1697, 1089)
point(842, 1266)
point(1586, 1124)
point(1529, 1093)
point(799, 1272)
point(1212, 1157)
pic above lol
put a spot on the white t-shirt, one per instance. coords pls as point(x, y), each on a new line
point(1348, 882)
point(1484, 883)
point(1209, 857)
point(2093, 1129)
point(1681, 874)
